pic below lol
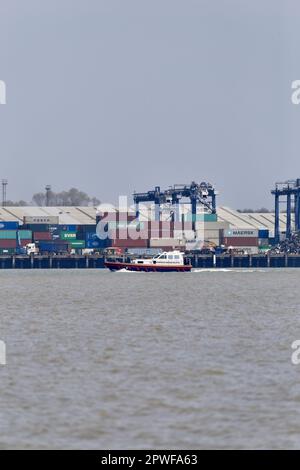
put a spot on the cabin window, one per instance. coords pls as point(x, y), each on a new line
point(170, 257)
point(176, 256)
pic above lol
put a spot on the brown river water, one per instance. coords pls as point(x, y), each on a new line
point(100, 360)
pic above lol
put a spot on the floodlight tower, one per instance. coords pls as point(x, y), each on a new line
point(48, 191)
point(4, 189)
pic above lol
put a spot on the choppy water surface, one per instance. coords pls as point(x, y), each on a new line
point(128, 360)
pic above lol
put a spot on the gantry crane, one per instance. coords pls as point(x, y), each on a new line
point(291, 190)
point(203, 193)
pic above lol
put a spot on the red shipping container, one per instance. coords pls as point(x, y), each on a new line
point(42, 236)
point(178, 226)
point(8, 243)
point(154, 234)
point(241, 241)
point(125, 217)
point(188, 226)
point(140, 243)
point(154, 225)
point(135, 234)
point(166, 229)
point(25, 242)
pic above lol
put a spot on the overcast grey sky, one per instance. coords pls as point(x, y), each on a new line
point(116, 95)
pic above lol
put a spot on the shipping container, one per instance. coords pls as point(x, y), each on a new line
point(37, 227)
point(188, 226)
point(129, 243)
point(77, 244)
point(25, 234)
point(240, 241)
point(8, 234)
point(209, 233)
point(96, 243)
point(12, 234)
point(201, 217)
point(212, 225)
point(90, 236)
point(68, 235)
point(42, 236)
point(263, 233)
point(55, 237)
point(14, 225)
point(53, 246)
point(68, 228)
point(246, 233)
point(7, 251)
point(8, 243)
point(158, 242)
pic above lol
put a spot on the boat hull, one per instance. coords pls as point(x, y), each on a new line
point(117, 266)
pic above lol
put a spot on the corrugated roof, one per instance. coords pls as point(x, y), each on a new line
point(67, 215)
point(257, 220)
point(87, 215)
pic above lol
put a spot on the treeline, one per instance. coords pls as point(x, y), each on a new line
point(72, 197)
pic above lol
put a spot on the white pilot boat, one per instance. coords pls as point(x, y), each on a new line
point(168, 261)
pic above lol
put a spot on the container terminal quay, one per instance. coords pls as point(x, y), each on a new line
point(183, 217)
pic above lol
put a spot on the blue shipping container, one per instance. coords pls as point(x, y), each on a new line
point(68, 228)
point(11, 225)
point(52, 246)
point(91, 236)
point(263, 233)
point(96, 243)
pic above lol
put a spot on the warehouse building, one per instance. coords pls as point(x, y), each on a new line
point(87, 216)
point(77, 227)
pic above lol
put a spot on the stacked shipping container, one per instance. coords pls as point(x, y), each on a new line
point(242, 239)
point(9, 234)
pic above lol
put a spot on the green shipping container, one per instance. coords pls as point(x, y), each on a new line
point(202, 218)
point(7, 251)
point(25, 234)
point(77, 244)
point(8, 234)
point(68, 235)
point(12, 234)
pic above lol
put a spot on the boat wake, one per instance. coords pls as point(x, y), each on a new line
point(227, 270)
point(124, 270)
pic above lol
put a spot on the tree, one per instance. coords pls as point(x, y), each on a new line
point(39, 199)
point(20, 203)
point(72, 197)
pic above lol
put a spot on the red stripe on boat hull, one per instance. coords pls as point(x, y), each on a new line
point(116, 266)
